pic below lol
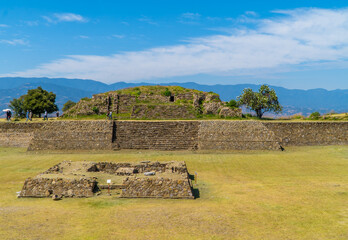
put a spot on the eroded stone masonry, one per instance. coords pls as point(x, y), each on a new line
point(127, 180)
point(171, 135)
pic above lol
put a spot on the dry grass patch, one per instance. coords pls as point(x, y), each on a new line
point(301, 193)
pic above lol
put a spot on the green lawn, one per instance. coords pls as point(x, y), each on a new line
point(301, 193)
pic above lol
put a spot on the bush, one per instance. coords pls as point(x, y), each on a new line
point(314, 116)
point(95, 110)
point(167, 93)
point(232, 104)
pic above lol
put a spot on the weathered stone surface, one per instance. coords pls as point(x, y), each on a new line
point(146, 102)
point(162, 111)
point(72, 135)
point(156, 188)
point(62, 180)
point(239, 135)
point(45, 187)
point(211, 107)
point(228, 112)
point(170, 135)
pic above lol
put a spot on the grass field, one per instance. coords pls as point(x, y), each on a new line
point(301, 193)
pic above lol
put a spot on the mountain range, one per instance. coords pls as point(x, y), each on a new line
point(294, 101)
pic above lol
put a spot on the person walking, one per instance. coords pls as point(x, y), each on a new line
point(9, 115)
point(110, 115)
point(27, 115)
point(57, 114)
point(45, 116)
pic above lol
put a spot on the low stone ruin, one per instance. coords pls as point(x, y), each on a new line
point(128, 180)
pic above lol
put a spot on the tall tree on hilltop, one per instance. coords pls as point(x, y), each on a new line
point(265, 100)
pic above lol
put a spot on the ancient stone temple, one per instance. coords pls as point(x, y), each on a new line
point(126, 180)
point(154, 102)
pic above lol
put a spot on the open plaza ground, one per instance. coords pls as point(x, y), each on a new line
point(301, 193)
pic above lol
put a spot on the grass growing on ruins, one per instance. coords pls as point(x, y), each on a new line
point(301, 193)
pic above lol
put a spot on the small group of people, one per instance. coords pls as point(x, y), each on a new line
point(29, 116)
point(8, 115)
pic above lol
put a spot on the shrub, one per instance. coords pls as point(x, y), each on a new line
point(314, 116)
point(232, 104)
point(95, 110)
point(167, 93)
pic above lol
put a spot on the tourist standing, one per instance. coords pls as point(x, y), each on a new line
point(9, 115)
point(57, 114)
point(110, 115)
point(27, 115)
point(45, 116)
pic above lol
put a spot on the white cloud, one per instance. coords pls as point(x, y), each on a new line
point(147, 20)
point(4, 25)
point(65, 17)
point(14, 42)
point(299, 37)
point(191, 16)
point(119, 36)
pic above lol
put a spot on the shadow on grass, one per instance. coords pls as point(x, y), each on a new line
point(195, 192)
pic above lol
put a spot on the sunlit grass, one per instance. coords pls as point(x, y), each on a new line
point(301, 193)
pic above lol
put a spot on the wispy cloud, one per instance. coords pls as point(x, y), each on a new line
point(14, 42)
point(65, 17)
point(119, 36)
point(147, 20)
point(4, 25)
point(300, 37)
point(189, 18)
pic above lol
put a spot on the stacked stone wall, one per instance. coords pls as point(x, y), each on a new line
point(46, 187)
point(162, 111)
point(17, 134)
point(159, 135)
point(236, 135)
point(73, 135)
point(156, 188)
point(170, 135)
point(310, 133)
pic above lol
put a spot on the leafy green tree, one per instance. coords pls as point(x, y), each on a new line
point(232, 104)
point(265, 100)
point(38, 100)
point(314, 116)
point(17, 106)
point(69, 104)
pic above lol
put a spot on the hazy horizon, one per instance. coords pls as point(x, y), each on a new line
point(295, 45)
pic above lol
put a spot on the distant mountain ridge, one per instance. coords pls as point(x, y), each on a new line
point(293, 100)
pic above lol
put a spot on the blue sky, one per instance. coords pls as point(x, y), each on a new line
point(295, 44)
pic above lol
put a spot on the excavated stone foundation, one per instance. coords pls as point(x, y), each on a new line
point(126, 180)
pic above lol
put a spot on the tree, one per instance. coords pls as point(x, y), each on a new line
point(265, 100)
point(69, 104)
point(232, 104)
point(314, 116)
point(38, 100)
point(17, 106)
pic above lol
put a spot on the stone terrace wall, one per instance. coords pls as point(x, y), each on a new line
point(310, 133)
point(45, 187)
point(17, 134)
point(170, 135)
point(156, 188)
point(163, 111)
point(159, 135)
point(73, 135)
point(236, 135)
